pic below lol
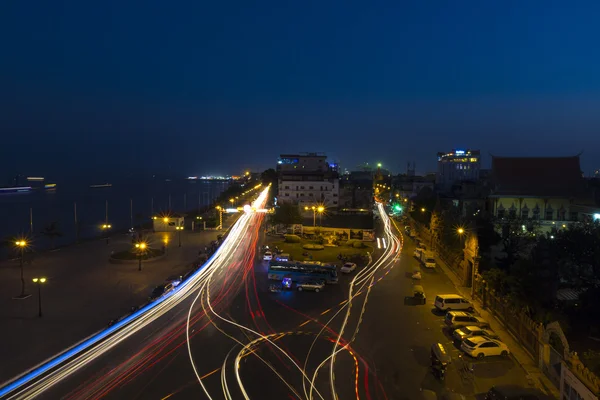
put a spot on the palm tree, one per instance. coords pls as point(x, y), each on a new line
point(51, 231)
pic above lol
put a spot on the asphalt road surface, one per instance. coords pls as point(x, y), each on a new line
point(226, 336)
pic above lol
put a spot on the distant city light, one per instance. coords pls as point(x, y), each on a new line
point(596, 217)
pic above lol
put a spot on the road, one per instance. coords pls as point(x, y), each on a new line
point(225, 335)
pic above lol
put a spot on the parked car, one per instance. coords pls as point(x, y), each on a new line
point(313, 285)
point(268, 256)
point(480, 346)
point(348, 267)
point(418, 251)
point(160, 291)
point(466, 332)
point(456, 319)
point(514, 392)
point(447, 302)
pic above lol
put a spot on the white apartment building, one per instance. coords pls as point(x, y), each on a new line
point(309, 192)
point(306, 179)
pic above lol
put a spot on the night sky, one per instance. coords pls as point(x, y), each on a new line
point(193, 87)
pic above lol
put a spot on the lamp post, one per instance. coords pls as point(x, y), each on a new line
point(179, 229)
point(21, 244)
point(320, 210)
point(232, 200)
point(38, 282)
point(141, 248)
point(105, 228)
point(314, 210)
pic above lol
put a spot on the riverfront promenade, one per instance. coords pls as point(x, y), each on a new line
point(83, 293)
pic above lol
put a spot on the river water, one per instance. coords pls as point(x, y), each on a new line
point(123, 204)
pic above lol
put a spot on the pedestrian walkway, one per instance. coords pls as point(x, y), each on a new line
point(534, 375)
point(83, 292)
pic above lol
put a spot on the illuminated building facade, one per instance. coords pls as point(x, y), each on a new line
point(457, 166)
point(307, 179)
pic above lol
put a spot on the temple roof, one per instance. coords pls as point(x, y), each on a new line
point(537, 176)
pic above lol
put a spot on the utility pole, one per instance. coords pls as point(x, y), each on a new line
point(76, 224)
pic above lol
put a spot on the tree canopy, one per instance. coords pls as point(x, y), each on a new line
point(286, 214)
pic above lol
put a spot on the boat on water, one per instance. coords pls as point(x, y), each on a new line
point(103, 185)
point(15, 189)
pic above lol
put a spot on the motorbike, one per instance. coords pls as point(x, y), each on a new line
point(440, 359)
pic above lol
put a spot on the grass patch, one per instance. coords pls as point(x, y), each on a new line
point(132, 255)
point(327, 254)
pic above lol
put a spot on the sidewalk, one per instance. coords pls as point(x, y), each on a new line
point(533, 373)
point(83, 293)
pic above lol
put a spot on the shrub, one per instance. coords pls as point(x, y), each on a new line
point(292, 238)
point(358, 244)
point(320, 239)
point(313, 247)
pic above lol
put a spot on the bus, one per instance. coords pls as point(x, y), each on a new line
point(303, 271)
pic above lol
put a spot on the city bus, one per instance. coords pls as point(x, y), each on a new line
point(303, 271)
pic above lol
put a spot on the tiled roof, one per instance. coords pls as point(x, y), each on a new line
point(537, 176)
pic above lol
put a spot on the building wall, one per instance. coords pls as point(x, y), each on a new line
point(310, 192)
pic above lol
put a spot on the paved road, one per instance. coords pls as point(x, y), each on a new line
point(269, 345)
point(83, 293)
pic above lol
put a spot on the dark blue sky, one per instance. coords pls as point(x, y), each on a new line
point(201, 87)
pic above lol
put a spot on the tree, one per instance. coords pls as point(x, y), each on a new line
point(269, 176)
point(52, 232)
point(286, 214)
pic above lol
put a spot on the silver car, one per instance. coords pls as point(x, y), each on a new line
point(469, 331)
point(315, 286)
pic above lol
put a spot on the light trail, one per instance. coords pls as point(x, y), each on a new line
point(46, 375)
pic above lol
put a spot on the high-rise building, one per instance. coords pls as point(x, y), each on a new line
point(457, 166)
point(307, 179)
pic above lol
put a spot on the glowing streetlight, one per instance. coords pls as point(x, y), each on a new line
point(141, 249)
point(105, 228)
point(39, 282)
point(232, 200)
point(460, 231)
point(21, 245)
point(179, 229)
point(423, 209)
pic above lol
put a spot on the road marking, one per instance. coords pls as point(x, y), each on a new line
point(304, 323)
point(325, 312)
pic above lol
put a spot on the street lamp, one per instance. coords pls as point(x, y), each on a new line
point(232, 200)
point(460, 231)
point(141, 248)
point(320, 210)
point(21, 245)
point(179, 229)
point(38, 282)
point(423, 209)
point(105, 228)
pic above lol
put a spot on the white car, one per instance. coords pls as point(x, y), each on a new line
point(348, 267)
point(481, 346)
point(268, 256)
